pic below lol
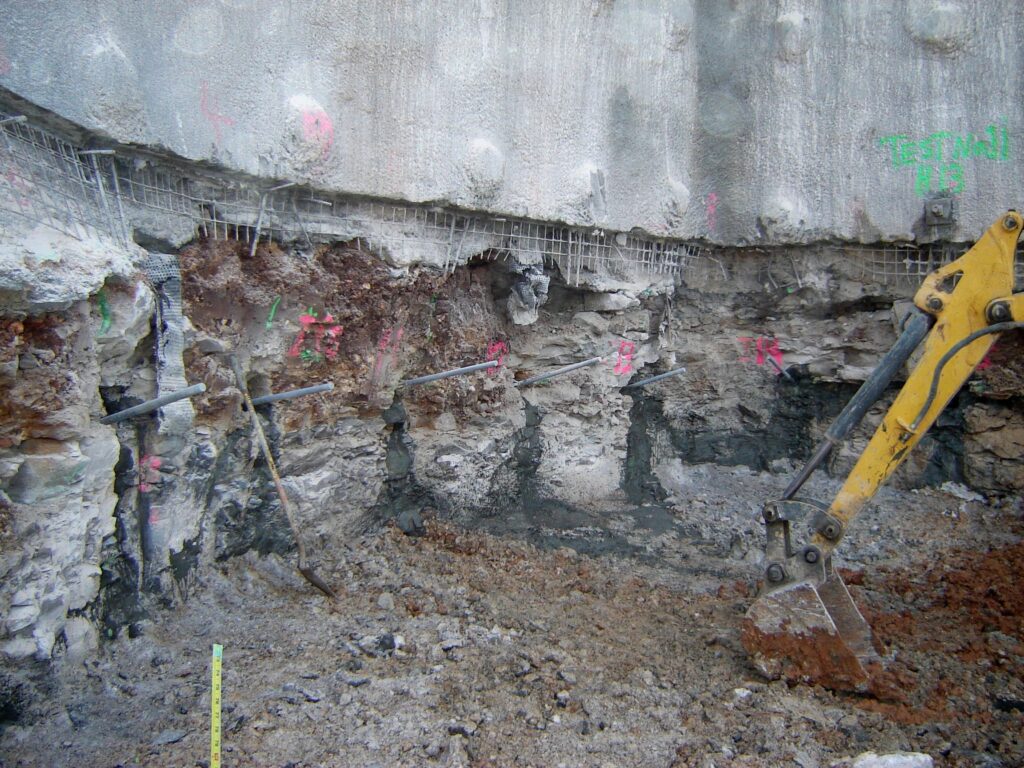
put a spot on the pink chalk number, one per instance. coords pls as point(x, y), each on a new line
point(208, 108)
point(326, 338)
point(762, 346)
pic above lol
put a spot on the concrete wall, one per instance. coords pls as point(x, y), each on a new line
point(741, 122)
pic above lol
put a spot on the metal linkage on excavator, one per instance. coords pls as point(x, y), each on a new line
point(804, 625)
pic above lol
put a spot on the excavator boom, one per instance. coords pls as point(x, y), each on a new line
point(804, 625)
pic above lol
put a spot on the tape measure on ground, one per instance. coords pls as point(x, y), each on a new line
point(218, 654)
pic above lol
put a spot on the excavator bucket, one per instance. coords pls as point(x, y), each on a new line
point(811, 633)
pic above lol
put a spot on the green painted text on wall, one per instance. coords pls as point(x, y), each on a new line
point(938, 157)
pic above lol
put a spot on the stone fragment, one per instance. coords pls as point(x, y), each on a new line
point(458, 757)
point(893, 760)
point(169, 736)
point(609, 302)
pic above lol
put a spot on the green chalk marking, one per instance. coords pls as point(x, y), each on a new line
point(273, 311)
point(104, 312)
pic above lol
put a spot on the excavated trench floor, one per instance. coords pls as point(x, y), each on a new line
point(469, 648)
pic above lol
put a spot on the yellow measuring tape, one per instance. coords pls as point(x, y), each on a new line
point(218, 655)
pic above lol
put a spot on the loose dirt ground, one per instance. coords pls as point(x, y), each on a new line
point(462, 648)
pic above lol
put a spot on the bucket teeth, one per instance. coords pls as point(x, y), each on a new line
point(811, 633)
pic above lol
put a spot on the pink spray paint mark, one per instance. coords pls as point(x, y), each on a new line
point(154, 515)
point(986, 362)
point(623, 362)
point(710, 207)
point(326, 337)
point(317, 128)
point(209, 110)
point(761, 346)
point(149, 472)
point(496, 350)
point(387, 356)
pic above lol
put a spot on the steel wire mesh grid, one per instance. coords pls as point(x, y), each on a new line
point(51, 182)
point(290, 212)
point(48, 180)
point(905, 266)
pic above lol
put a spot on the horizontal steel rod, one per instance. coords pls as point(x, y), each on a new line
point(448, 374)
point(293, 393)
point(653, 379)
point(558, 372)
point(152, 405)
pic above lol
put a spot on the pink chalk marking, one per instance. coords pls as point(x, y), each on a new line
point(770, 347)
point(747, 342)
point(761, 346)
point(317, 128)
point(623, 361)
point(986, 361)
point(149, 472)
point(710, 207)
point(209, 110)
point(154, 515)
point(387, 354)
point(496, 350)
point(321, 328)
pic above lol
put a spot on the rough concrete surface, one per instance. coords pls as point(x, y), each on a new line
point(739, 123)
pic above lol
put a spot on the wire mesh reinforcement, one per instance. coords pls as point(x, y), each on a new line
point(49, 180)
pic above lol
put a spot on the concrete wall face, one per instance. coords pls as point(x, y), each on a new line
point(741, 122)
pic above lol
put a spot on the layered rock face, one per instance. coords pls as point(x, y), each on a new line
point(56, 460)
point(104, 523)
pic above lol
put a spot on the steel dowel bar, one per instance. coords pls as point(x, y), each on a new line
point(558, 372)
point(448, 374)
point(780, 369)
point(152, 405)
point(292, 393)
point(659, 377)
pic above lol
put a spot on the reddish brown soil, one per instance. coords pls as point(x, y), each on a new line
point(34, 398)
point(393, 327)
point(1002, 373)
point(957, 630)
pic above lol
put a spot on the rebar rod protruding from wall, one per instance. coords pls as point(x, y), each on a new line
point(152, 405)
point(448, 374)
point(780, 369)
point(653, 379)
point(293, 393)
point(558, 372)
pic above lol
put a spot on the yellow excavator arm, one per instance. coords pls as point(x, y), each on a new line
point(804, 626)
